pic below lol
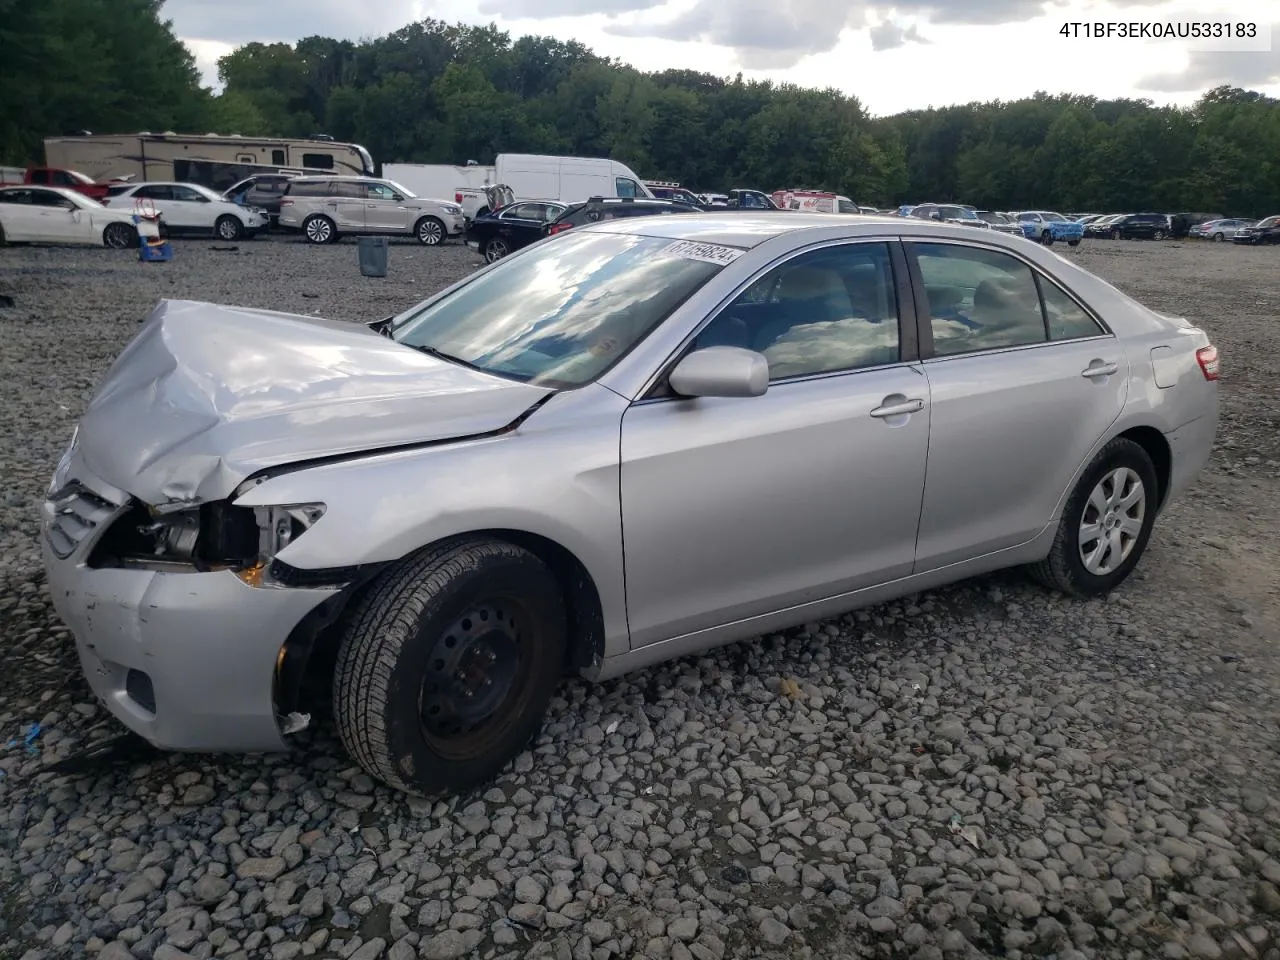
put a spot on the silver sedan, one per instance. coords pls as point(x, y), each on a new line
point(629, 442)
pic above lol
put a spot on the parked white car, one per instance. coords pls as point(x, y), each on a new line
point(189, 208)
point(58, 215)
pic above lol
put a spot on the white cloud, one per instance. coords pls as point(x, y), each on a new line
point(893, 55)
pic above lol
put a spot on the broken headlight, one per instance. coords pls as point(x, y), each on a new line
point(212, 536)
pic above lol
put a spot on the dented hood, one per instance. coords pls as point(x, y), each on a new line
point(207, 395)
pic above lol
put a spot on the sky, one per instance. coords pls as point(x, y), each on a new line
point(894, 56)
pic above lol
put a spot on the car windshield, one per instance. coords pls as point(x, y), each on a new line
point(401, 189)
point(1055, 217)
point(564, 311)
point(1269, 222)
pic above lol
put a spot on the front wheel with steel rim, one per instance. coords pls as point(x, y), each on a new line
point(119, 236)
point(228, 228)
point(495, 249)
point(1106, 523)
point(319, 229)
point(430, 232)
point(447, 664)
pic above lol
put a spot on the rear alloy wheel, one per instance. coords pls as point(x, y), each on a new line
point(1159, 235)
point(1047, 238)
point(495, 249)
point(319, 229)
point(119, 236)
point(430, 232)
point(1105, 525)
point(1218, 238)
point(1073, 243)
point(1115, 235)
point(228, 228)
point(447, 665)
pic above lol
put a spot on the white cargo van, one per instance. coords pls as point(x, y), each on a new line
point(529, 177)
point(568, 179)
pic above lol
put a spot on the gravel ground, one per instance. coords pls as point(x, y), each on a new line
point(987, 770)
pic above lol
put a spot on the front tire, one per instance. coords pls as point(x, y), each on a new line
point(430, 232)
point(319, 229)
point(1116, 234)
point(228, 228)
point(1073, 243)
point(1105, 525)
point(1159, 235)
point(119, 236)
point(1047, 238)
point(447, 665)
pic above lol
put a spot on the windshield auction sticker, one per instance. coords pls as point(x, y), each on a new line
point(707, 252)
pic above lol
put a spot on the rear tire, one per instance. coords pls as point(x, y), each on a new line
point(3, 241)
point(447, 665)
point(1073, 243)
point(1218, 237)
point(1158, 235)
point(1105, 524)
point(495, 250)
point(1047, 238)
point(1116, 235)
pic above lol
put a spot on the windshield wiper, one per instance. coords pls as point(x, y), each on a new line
point(448, 357)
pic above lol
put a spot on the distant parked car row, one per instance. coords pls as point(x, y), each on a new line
point(1042, 226)
point(1195, 226)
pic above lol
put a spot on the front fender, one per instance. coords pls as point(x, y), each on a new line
point(556, 476)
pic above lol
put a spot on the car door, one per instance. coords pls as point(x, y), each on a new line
point(59, 219)
point(521, 224)
point(385, 210)
point(192, 210)
point(19, 215)
point(1023, 381)
point(737, 507)
point(160, 196)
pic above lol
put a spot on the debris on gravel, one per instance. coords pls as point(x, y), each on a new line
point(985, 770)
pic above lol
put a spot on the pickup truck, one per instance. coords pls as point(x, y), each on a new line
point(54, 177)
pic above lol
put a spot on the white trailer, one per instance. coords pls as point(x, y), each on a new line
point(528, 176)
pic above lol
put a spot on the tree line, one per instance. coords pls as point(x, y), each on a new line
point(434, 92)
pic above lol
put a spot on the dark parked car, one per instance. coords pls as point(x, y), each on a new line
point(1182, 223)
point(665, 190)
point(1140, 226)
point(613, 208)
point(1264, 231)
point(262, 190)
point(751, 200)
point(509, 228)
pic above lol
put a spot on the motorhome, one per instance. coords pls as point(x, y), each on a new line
point(215, 161)
point(529, 177)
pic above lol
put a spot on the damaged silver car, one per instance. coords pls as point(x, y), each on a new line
point(630, 442)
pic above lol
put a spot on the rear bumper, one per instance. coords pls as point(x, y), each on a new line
point(1191, 446)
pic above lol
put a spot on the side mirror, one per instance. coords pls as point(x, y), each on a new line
point(935, 216)
point(397, 198)
point(721, 372)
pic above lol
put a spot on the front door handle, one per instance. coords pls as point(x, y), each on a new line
point(1099, 369)
point(893, 407)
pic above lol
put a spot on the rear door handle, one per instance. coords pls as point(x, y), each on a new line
point(1099, 369)
point(898, 408)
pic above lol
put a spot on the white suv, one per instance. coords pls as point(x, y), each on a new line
point(325, 208)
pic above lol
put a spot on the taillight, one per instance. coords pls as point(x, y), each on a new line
point(457, 198)
point(559, 228)
point(1207, 357)
point(286, 203)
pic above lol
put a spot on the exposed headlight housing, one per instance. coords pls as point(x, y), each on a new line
point(452, 208)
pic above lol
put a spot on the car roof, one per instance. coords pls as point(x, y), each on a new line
point(65, 191)
point(751, 229)
point(335, 176)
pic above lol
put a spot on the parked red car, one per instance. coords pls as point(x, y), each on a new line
point(54, 177)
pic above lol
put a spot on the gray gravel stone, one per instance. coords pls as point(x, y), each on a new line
point(701, 809)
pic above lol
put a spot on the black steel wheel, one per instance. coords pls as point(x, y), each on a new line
point(447, 665)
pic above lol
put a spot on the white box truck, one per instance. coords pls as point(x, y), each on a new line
point(528, 176)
